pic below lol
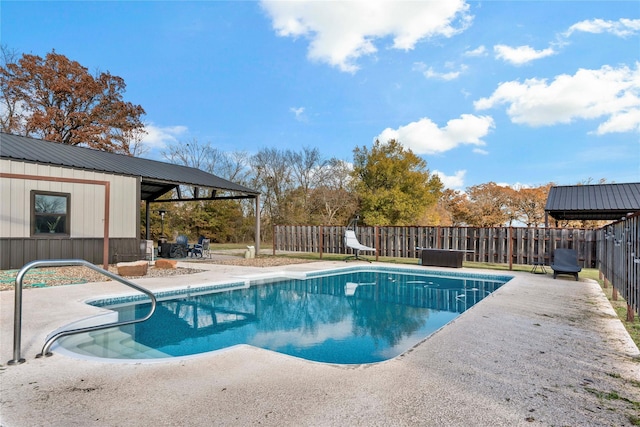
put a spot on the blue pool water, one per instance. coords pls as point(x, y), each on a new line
point(357, 315)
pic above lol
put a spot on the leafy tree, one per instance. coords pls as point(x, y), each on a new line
point(489, 205)
point(457, 207)
point(56, 99)
point(531, 204)
point(393, 184)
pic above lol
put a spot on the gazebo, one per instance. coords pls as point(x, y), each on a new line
point(592, 202)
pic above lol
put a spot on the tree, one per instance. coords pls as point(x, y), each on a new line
point(56, 99)
point(220, 220)
point(10, 115)
point(272, 177)
point(393, 184)
point(133, 139)
point(307, 169)
point(456, 205)
point(531, 204)
point(332, 201)
point(488, 205)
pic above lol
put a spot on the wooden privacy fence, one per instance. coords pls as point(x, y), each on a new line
point(619, 257)
point(613, 249)
point(504, 245)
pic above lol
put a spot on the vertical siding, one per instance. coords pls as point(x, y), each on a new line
point(86, 201)
point(15, 253)
point(124, 206)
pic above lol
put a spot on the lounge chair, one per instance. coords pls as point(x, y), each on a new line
point(351, 287)
point(351, 241)
point(565, 261)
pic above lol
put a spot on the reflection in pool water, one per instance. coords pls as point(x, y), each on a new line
point(351, 317)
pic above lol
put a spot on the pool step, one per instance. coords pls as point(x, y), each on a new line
point(113, 344)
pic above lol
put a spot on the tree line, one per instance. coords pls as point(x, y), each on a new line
point(56, 99)
point(385, 185)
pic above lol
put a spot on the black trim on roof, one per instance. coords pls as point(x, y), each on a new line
point(157, 177)
point(593, 202)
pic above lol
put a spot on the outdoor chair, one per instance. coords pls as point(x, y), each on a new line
point(181, 248)
point(201, 249)
point(351, 241)
point(565, 261)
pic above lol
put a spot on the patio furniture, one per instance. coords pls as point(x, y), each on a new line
point(201, 249)
point(565, 261)
point(538, 268)
point(441, 257)
point(351, 241)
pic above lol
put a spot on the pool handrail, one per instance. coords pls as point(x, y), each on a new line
point(17, 319)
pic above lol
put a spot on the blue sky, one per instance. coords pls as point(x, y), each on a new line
point(514, 92)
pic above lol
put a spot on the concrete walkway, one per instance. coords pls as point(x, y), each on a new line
point(537, 352)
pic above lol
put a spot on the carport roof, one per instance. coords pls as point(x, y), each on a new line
point(157, 177)
point(593, 202)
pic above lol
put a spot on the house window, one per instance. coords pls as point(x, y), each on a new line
point(49, 213)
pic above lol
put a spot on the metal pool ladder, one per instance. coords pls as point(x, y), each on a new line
point(17, 319)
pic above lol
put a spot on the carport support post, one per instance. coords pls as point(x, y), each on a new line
point(258, 224)
point(147, 215)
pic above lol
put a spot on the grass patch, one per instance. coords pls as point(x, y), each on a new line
point(620, 307)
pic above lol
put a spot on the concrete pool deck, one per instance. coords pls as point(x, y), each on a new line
point(537, 352)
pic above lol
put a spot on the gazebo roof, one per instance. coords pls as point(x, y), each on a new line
point(593, 202)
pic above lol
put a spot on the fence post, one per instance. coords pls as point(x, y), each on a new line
point(377, 242)
point(320, 242)
point(510, 250)
point(275, 240)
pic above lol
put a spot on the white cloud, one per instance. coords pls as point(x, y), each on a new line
point(521, 54)
point(611, 93)
point(622, 122)
point(455, 181)
point(340, 32)
point(430, 73)
point(299, 113)
point(425, 137)
point(158, 137)
point(621, 28)
point(479, 51)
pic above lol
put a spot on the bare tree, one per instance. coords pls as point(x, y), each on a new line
point(273, 178)
point(332, 201)
point(134, 139)
point(11, 111)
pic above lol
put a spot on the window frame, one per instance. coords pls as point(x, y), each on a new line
point(34, 216)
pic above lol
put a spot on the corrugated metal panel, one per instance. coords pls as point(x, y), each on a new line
point(602, 201)
point(45, 152)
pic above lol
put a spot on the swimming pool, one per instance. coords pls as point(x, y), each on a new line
point(347, 316)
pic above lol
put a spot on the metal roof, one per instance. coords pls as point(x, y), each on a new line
point(157, 177)
point(593, 202)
